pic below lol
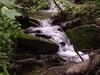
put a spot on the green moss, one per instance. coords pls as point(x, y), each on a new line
point(35, 45)
point(84, 38)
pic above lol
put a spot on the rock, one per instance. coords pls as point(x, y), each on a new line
point(35, 45)
point(97, 21)
point(84, 37)
point(90, 67)
point(41, 15)
point(26, 22)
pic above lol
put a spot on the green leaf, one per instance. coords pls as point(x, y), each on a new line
point(1, 73)
point(3, 70)
point(10, 13)
point(7, 2)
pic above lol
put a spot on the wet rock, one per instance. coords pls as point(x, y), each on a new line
point(85, 37)
point(35, 45)
point(90, 67)
point(97, 20)
point(26, 22)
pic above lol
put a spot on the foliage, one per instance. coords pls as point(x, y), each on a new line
point(41, 4)
point(11, 13)
point(91, 0)
point(3, 70)
point(7, 2)
point(9, 30)
point(33, 5)
point(86, 8)
point(87, 11)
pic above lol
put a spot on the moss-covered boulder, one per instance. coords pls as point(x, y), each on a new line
point(85, 37)
point(35, 45)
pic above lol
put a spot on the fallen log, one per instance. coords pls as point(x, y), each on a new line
point(90, 67)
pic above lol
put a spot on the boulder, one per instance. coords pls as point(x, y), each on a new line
point(97, 21)
point(35, 45)
point(85, 37)
point(90, 67)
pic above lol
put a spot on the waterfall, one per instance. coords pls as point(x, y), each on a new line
point(56, 34)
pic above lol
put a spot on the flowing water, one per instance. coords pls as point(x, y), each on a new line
point(56, 34)
point(53, 8)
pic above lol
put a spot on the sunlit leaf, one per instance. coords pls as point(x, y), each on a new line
point(10, 13)
point(7, 2)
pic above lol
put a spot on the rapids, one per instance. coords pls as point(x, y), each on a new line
point(56, 34)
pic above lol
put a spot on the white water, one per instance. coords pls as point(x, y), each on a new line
point(53, 7)
point(66, 50)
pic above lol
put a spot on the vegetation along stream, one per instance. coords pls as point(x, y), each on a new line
point(49, 37)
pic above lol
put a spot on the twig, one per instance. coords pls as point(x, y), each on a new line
point(51, 69)
point(34, 23)
point(87, 26)
point(79, 56)
point(58, 6)
point(25, 60)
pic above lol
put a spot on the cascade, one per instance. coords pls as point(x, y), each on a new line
point(56, 34)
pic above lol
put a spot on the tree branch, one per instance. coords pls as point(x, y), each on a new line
point(58, 6)
point(87, 26)
point(84, 68)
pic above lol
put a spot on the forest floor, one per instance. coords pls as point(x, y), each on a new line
point(53, 65)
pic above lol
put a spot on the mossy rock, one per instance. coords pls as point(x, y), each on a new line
point(84, 37)
point(35, 45)
point(41, 15)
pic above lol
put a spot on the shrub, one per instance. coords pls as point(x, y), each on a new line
point(9, 30)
